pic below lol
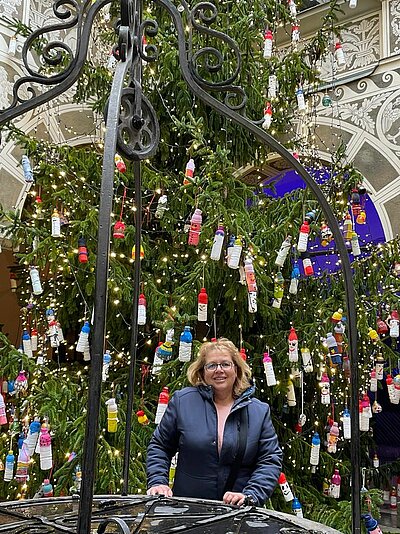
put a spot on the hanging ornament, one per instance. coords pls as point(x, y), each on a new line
point(119, 230)
point(55, 224)
point(46, 456)
point(119, 226)
point(269, 370)
point(363, 418)
point(3, 415)
point(361, 217)
point(334, 490)
point(379, 366)
point(355, 202)
point(346, 420)
point(234, 254)
point(189, 172)
point(301, 103)
point(352, 4)
point(366, 405)
point(267, 116)
point(106, 365)
point(326, 234)
point(157, 361)
point(47, 488)
point(347, 227)
point(294, 278)
point(303, 236)
point(391, 390)
point(21, 474)
point(9, 468)
point(163, 400)
point(373, 382)
point(333, 349)
point(33, 436)
point(82, 250)
point(112, 415)
point(325, 389)
point(307, 264)
point(142, 418)
point(393, 322)
point(21, 383)
point(185, 345)
point(295, 33)
point(326, 100)
point(333, 438)
point(35, 279)
point(293, 346)
point(83, 341)
point(371, 524)
point(142, 310)
point(268, 40)
point(396, 269)
point(26, 167)
point(141, 254)
point(315, 450)
point(195, 228)
point(296, 507)
point(164, 351)
point(119, 163)
point(202, 303)
point(161, 206)
point(217, 243)
point(338, 335)
point(381, 327)
point(272, 86)
point(340, 59)
point(251, 285)
point(284, 251)
point(34, 339)
point(26, 344)
point(292, 7)
point(373, 335)
point(307, 360)
point(243, 354)
point(285, 488)
point(290, 394)
point(279, 284)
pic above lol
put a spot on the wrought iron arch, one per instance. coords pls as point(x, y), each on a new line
point(132, 128)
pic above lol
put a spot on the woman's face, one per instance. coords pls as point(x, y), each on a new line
point(223, 377)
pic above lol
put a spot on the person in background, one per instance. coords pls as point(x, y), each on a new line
point(227, 446)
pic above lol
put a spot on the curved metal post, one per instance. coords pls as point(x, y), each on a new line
point(268, 140)
point(100, 304)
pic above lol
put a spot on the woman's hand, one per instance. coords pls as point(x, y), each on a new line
point(231, 497)
point(160, 490)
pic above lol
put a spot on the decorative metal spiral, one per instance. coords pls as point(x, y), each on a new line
point(123, 528)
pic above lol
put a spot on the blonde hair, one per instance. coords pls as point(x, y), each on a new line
point(195, 372)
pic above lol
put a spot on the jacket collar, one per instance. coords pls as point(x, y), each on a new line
point(207, 393)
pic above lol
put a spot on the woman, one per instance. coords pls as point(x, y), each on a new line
point(227, 446)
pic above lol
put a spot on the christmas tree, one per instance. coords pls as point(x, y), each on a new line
point(259, 290)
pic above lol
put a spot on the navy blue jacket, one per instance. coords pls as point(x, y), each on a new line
point(189, 426)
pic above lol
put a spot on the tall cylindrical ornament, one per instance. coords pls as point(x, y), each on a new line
point(279, 284)
point(46, 455)
point(202, 305)
point(185, 345)
point(293, 343)
point(346, 420)
point(106, 365)
point(112, 415)
point(189, 172)
point(34, 340)
point(272, 86)
point(283, 251)
point(142, 310)
point(9, 467)
point(82, 250)
point(161, 207)
point(393, 322)
point(290, 394)
point(83, 340)
point(325, 389)
point(3, 414)
point(27, 169)
point(163, 400)
point(315, 449)
point(340, 57)
point(195, 227)
point(217, 243)
point(355, 245)
point(285, 488)
point(379, 366)
point(297, 508)
point(21, 474)
point(55, 224)
point(269, 370)
point(268, 40)
point(251, 285)
point(294, 278)
point(373, 382)
point(26, 344)
point(333, 438)
point(266, 124)
point(302, 241)
point(35, 279)
point(233, 258)
point(334, 490)
point(32, 438)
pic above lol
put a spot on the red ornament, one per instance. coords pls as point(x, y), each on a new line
point(119, 230)
point(82, 250)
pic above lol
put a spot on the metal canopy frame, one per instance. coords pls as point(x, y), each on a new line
point(133, 130)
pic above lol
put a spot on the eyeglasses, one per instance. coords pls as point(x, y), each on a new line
point(213, 366)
